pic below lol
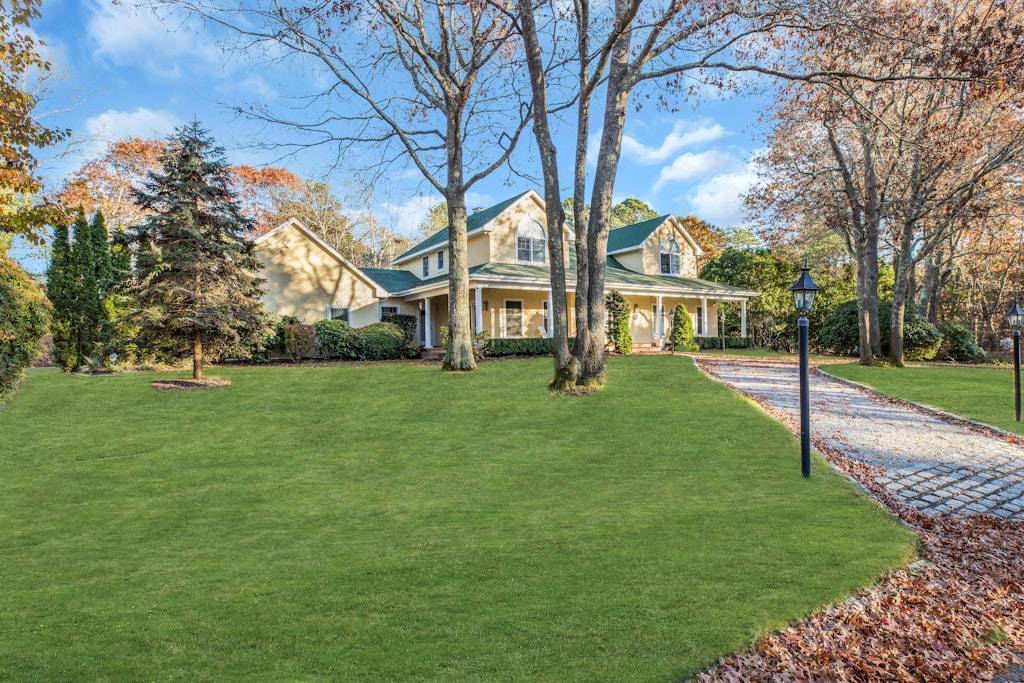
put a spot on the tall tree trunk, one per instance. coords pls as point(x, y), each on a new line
point(900, 293)
point(459, 355)
point(580, 215)
point(616, 101)
point(565, 369)
point(197, 356)
point(928, 305)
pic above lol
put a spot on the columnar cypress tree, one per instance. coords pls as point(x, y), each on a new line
point(59, 290)
point(197, 276)
point(86, 309)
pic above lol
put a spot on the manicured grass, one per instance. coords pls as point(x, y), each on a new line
point(393, 522)
point(983, 393)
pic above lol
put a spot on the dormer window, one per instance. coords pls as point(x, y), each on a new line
point(531, 245)
point(440, 260)
point(670, 256)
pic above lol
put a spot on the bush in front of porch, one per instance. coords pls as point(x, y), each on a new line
point(682, 336)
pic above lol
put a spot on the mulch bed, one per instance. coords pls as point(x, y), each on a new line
point(191, 384)
point(956, 616)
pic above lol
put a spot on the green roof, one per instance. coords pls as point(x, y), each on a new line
point(632, 236)
point(391, 279)
point(476, 220)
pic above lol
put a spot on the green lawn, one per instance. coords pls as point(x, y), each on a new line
point(396, 523)
point(983, 393)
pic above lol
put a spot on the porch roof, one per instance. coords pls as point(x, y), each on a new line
point(403, 282)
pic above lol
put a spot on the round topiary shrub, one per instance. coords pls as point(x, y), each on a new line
point(958, 343)
point(24, 313)
point(336, 339)
point(682, 337)
point(381, 341)
point(840, 333)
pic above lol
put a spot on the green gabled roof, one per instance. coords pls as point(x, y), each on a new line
point(632, 236)
point(391, 279)
point(476, 220)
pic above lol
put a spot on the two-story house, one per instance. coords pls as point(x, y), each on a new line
point(653, 264)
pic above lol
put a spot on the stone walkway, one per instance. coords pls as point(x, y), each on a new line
point(932, 464)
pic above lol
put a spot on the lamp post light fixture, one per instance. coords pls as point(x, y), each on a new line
point(804, 290)
point(1015, 317)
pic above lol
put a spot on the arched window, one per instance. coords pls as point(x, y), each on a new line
point(670, 256)
point(530, 242)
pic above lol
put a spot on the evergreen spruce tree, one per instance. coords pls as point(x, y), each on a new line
point(197, 272)
point(59, 290)
point(87, 309)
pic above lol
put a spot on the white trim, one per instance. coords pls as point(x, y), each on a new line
point(544, 284)
point(704, 317)
point(427, 336)
point(743, 318)
point(331, 251)
point(504, 318)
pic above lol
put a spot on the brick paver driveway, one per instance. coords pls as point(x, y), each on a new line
point(933, 464)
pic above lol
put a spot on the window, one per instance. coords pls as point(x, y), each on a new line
point(530, 242)
point(388, 310)
point(426, 266)
point(700, 321)
point(440, 260)
point(547, 323)
point(670, 256)
point(339, 314)
point(513, 318)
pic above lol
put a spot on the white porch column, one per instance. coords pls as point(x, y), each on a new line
point(427, 341)
point(704, 317)
point(743, 318)
point(659, 324)
point(479, 305)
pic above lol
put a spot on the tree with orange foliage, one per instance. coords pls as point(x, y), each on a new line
point(20, 132)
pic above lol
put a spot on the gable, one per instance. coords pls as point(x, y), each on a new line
point(476, 222)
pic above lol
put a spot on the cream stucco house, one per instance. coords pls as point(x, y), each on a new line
point(653, 264)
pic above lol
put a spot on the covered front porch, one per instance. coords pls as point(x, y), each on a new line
point(503, 311)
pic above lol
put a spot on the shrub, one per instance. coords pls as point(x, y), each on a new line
point(24, 313)
point(273, 343)
point(515, 346)
point(681, 337)
point(479, 341)
point(618, 322)
point(299, 340)
point(716, 342)
point(336, 339)
point(406, 322)
point(381, 341)
point(840, 333)
point(958, 343)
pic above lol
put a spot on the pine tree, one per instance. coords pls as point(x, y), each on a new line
point(59, 290)
point(86, 309)
point(198, 285)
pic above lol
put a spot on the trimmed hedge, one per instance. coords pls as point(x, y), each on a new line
point(381, 341)
point(336, 339)
point(716, 342)
point(406, 322)
point(516, 346)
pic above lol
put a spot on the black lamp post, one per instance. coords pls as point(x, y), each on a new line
point(1016, 318)
point(804, 290)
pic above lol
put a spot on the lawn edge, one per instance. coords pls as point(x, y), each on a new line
point(946, 416)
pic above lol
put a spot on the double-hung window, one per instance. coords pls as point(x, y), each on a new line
point(670, 257)
point(440, 260)
point(426, 266)
point(531, 245)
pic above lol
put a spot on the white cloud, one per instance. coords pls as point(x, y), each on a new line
point(407, 216)
point(138, 36)
point(690, 166)
point(683, 134)
point(719, 200)
point(114, 124)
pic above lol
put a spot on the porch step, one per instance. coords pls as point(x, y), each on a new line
point(432, 354)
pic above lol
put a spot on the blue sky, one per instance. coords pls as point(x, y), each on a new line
point(123, 71)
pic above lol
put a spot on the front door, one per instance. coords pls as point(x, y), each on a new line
point(513, 318)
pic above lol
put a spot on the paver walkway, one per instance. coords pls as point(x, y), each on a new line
point(932, 464)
